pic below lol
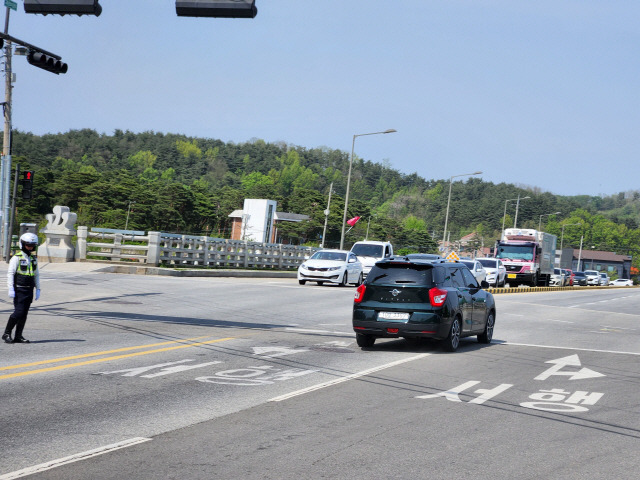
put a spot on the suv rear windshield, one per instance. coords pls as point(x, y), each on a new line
point(404, 274)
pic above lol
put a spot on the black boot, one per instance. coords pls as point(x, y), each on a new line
point(20, 340)
point(7, 338)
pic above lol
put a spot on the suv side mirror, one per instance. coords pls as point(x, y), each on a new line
point(484, 284)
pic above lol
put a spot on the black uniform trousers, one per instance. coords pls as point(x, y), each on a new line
point(21, 302)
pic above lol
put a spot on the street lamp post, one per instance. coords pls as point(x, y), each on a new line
point(504, 215)
point(446, 217)
point(544, 215)
point(515, 219)
point(346, 198)
point(326, 218)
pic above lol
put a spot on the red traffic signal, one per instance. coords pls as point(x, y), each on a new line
point(27, 185)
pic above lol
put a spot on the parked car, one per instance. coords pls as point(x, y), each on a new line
point(580, 279)
point(496, 271)
point(476, 269)
point(622, 282)
point(331, 266)
point(557, 278)
point(569, 276)
point(422, 299)
point(604, 279)
point(593, 277)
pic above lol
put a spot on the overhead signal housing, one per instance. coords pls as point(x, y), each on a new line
point(63, 7)
point(47, 62)
point(216, 8)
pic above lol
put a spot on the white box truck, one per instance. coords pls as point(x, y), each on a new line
point(528, 256)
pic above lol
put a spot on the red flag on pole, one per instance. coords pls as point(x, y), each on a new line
point(353, 221)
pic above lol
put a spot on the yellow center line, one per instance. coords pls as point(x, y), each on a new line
point(99, 360)
point(96, 354)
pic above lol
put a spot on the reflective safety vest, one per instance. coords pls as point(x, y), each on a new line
point(26, 270)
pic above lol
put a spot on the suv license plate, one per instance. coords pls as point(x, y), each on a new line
point(511, 275)
point(394, 315)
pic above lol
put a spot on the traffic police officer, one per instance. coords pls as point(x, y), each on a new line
point(22, 278)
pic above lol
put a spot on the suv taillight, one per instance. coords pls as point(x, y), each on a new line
point(359, 293)
point(437, 296)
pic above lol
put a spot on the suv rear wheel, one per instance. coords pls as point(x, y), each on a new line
point(365, 341)
point(453, 340)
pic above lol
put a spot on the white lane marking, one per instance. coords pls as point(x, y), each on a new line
point(73, 458)
point(330, 383)
point(617, 328)
point(564, 348)
point(309, 330)
point(305, 330)
point(560, 321)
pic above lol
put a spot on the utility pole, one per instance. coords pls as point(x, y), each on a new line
point(326, 217)
point(6, 145)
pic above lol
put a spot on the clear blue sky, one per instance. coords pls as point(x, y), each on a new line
point(539, 93)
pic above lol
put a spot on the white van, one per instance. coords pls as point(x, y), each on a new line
point(369, 252)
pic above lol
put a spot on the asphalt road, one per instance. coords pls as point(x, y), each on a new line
point(158, 377)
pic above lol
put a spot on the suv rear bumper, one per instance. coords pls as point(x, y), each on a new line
point(432, 327)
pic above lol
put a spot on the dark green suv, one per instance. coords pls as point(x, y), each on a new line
point(410, 298)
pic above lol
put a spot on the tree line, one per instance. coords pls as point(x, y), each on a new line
point(180, 184)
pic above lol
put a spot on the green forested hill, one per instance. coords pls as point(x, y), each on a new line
point(190, 185)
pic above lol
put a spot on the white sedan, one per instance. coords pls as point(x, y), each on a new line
point(496, 271)
point(622, 282)
point(331, 266)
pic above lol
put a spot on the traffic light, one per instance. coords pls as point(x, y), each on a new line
point(63, 7)
point(27, 185)
point(217, 8)
point(47, 62)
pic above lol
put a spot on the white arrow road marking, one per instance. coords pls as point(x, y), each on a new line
point(571, 360)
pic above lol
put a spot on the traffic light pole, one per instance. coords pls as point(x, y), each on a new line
point(5, 181)
point(7, 255)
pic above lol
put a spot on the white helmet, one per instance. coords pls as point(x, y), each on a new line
point(28, 239)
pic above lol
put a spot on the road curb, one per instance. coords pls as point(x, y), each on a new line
point(497, 291)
